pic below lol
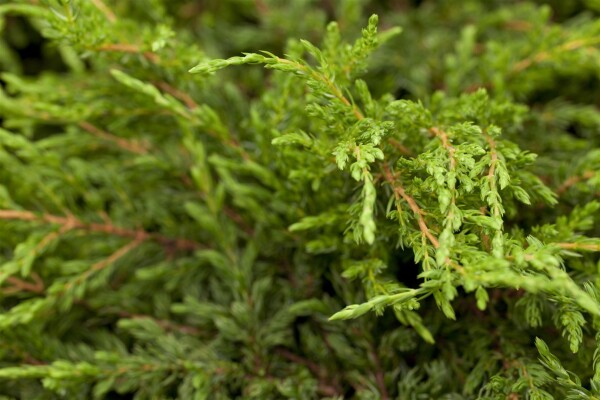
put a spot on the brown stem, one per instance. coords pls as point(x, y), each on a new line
point(379, 375)
point(28, 359)
point(25, 356)
point(579, 246)
point(311, 365)
point(108, 13)
point(573, 181)
point(71, 222)
point(492, 171)
point(332, 86)
point(184, 97)
point(451, 150)
point(485, 238)
point(131, 146)
point(327, 389)
point(237, 218)
point(165, 324)
point(545, 55)
point(400, 193)
point(493, 160)
point(114, 257)
point(129, 48)
point(20, 285)
point(400, 147)
point(231, 142)
point(446, 144)
point(518, 25)
point(261, 7)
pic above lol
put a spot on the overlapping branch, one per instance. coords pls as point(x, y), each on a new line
point(573, 180)
point(20, 285)
point(579, 246)
point(128, 145)
point(400, 193)
point(379, 373)
point(70, 222)
point(450, 149)
point(129, 48)
point(491, 176)
point(327, 387)
point(108, 13)
point(445, 144)
point(114, 257)
point(333, 88)
point(178, 94)
point(547, 54)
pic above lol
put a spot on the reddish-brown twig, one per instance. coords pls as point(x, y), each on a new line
point(579, 246)
point(400, 193)
point(400, 147)
point(165, 324)
point(379, 374)
point(71, 222)
point(19, 285)
point(491, 176)
point(261, 7)
point(547, 54)
point(446, 144)
point(129, 145)
point(108, 13)
point(573, 181)
point(326, 386)
point(178, 94)
point(333, 89)
point(114, 257)
point(129, 48)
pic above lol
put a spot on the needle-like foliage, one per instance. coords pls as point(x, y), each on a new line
point(267, 199)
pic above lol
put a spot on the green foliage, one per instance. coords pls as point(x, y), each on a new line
point(369, 213)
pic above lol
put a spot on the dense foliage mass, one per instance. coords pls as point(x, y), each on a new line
point(402, 207)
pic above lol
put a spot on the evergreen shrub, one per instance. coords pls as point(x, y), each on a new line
point(402, 207)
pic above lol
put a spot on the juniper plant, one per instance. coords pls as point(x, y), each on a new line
point(381, 213)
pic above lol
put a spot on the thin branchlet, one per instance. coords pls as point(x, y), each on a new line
point(70, 222)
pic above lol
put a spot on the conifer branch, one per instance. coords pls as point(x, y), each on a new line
point(573, 180)
point(446, 144)
point(71, 222)
point(491, 176)
point(108, 13)
point(100, 265)
point(496, 207)
point(19, 285)
point(239, 220)
point(400, 193)
point(449, 167)
point(379, 374)
point(261, 7)
point(579, 246)
point(401, 148)
point(128, 145)
point(547, 54)
point(518, 25)
point(46, 240)
point(178, 94)
point(327, 385)
point(166, 324)
point(333, 88)
point(128, 48)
